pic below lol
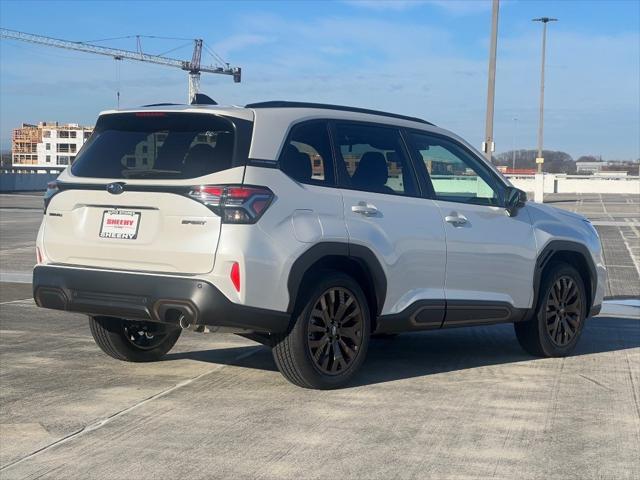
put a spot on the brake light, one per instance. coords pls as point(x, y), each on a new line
point(235, 204)
point(235, 276)
point(52, 189)
point(150, 114)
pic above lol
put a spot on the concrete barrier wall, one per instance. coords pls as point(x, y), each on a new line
point(25, 182)
point(578, 184)
point(16, 182)
point(552, 184)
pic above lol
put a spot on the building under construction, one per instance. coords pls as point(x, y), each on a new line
point(47, 144)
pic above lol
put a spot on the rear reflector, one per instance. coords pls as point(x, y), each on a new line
point(38, 256)
point(235, 204)
point(235, 276)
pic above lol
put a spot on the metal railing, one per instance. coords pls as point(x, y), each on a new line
point(33, 169)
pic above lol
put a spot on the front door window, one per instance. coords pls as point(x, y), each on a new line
point(456, 175)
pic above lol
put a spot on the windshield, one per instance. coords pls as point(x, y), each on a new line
point(157, 145)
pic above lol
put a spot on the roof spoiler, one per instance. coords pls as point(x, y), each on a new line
point(202, 99)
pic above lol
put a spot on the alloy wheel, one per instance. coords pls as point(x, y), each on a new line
point(335, 331)
point(564, 311)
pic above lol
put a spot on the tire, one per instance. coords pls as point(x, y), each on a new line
point(560, 314)
point(133, 341)
point(328, 341)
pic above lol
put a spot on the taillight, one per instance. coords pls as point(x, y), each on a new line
point(52, 189)
point(235, 204)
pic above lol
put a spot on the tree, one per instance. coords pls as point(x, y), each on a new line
point(554, 161)
point(589, 158)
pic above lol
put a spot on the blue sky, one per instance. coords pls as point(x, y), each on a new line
point(423, 58)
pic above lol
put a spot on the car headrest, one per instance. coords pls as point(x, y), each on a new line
point(372, 171)
point(224, 144)
point(296, 164)
point(199, 160)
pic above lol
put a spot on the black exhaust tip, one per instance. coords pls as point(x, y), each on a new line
point(179, 314)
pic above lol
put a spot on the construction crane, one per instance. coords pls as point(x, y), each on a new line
point(193, 67)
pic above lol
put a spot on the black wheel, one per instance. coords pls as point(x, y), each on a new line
point(133, 341)
point(328, 341)
point(560, 315)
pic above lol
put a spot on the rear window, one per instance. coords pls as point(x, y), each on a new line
point(157, 145)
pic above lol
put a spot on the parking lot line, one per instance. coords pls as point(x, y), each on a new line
point(19, 300)
point(101, 423)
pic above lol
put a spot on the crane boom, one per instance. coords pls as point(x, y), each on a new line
point(193, 67)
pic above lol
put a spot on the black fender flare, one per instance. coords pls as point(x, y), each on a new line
point(557, 246)
point(317, 252)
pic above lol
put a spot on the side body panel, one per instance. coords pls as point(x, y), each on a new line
point(491, 257)
point(300, 216)
point(553, 225)
point(408, 237)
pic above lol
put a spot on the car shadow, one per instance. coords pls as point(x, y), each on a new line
point(428, 353)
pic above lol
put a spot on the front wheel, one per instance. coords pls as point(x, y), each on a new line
point(328, 341)
point(560, 314)
point(133, 341)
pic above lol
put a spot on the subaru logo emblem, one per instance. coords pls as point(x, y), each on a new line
point(115, 188)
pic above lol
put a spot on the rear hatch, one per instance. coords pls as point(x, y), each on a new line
point(128, 200)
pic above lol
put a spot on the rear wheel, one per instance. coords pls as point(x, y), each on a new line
point(133, 341)
point(560, 315)
point(328, 341)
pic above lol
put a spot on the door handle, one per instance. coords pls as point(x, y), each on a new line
point(456, 219)
point(364, 208)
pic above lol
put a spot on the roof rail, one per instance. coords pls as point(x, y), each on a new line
point(285, 104)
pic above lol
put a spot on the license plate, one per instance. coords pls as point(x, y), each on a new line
point(122, 224)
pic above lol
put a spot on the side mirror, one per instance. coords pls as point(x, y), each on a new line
point(514, 200)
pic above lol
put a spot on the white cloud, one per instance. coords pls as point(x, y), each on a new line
point(386, 4)
point(421, 70)
point(239, 42)
point(456, 7)
point(593, 103)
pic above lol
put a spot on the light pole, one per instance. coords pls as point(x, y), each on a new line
point(488, 146)
point(513, 150)
point(544, 20)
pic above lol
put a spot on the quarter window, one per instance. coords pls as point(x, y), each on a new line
point(372, 158)
point(306, 157)
point(455, 174)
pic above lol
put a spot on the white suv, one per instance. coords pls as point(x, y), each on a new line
point(308, 228)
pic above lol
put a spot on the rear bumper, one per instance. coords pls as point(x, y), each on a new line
point(155, 298)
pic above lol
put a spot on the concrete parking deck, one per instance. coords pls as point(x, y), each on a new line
point(463, 403)
point(617, 219)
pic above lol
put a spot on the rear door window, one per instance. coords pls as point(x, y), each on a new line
point(157, 145)
point(372, 158)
